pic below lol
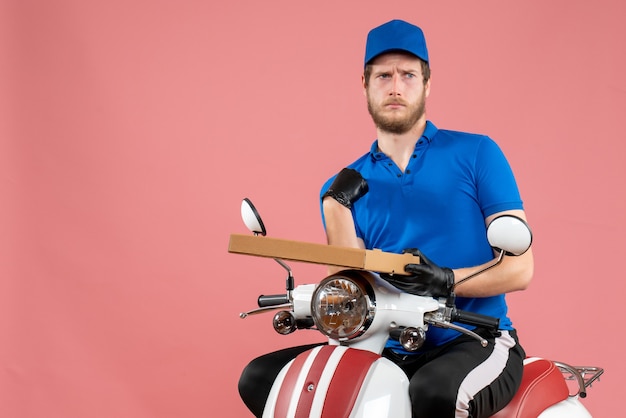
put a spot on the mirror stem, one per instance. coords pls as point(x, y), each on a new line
point(289, 282)
point(498, 261)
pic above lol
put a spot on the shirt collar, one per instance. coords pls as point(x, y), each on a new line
point(430, 130)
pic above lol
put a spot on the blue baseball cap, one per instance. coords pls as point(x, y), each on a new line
point(395, 35)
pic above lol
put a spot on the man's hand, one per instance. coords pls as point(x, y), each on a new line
point(426, 279)
point(348, 187)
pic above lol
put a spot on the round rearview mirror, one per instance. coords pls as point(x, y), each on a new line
point(251, 218)
point(510, 234)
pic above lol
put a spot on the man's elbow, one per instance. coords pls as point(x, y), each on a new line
point(525, 274)
point(524, 279)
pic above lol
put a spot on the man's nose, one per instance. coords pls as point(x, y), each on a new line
point(395, 85)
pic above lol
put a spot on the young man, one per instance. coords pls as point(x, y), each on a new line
point(423, 188)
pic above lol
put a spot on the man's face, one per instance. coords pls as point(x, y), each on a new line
point(396, 92)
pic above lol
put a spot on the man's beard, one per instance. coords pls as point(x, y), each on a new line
point(392, 123)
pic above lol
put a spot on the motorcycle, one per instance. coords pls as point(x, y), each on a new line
point(358, 312)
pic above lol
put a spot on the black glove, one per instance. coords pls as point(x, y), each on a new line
point(426, 279)
point(348, 187)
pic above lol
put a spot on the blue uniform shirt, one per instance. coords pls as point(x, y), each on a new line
point(453, 181)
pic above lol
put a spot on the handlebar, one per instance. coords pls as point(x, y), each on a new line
point(471, 318)
point(272, 300)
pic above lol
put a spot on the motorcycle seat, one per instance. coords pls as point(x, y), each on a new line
point(542, 385)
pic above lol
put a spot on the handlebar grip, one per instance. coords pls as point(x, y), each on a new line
point(471, 318)
point(272, 300)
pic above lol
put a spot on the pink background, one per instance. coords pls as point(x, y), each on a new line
point(131, 130)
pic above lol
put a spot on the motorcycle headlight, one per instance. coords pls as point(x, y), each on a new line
point(343, 305)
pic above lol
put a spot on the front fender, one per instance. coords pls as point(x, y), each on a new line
point(336, 381)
